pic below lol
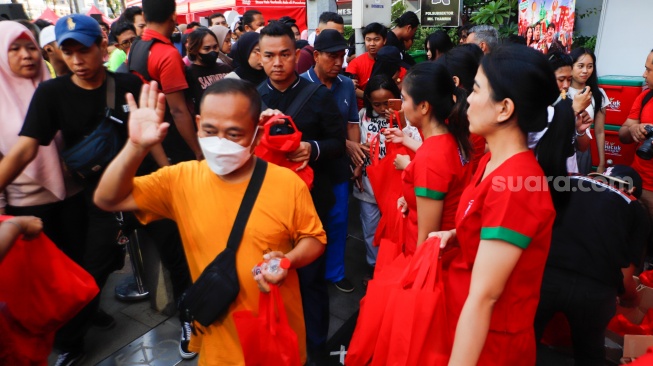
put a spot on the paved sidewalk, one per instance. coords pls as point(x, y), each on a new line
point(145, 337)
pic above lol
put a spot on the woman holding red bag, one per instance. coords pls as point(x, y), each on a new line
point(436, 177)
point(505, 217)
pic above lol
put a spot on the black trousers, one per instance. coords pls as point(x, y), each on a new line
point(166, 238)
point(588, 305)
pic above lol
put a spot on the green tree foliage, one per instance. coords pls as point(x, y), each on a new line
point(495, 13)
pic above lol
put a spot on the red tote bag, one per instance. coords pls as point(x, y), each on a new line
point(267, 338)
point(372, 312)
point(42, 288)
point(274, 147)
point(414, 330)
point(387, 186)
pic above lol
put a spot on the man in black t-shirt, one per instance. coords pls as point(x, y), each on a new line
point(75, 105)
point(599, 238)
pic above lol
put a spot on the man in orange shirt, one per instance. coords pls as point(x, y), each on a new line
point(203, 197)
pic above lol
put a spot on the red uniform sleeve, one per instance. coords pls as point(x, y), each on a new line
point(433, 175)
point(635, 110)
point(515, 208)
point(167, 66)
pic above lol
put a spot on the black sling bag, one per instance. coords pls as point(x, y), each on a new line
point(210, 296)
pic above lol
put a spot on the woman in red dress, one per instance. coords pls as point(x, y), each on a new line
point(505, 216)
point(435, 178)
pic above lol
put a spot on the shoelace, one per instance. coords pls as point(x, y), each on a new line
point(186, 333)
point(61, 359)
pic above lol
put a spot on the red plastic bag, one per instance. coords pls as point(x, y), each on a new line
point(384, 177)
point(622, 326)
point(42, 287)
point(274, 147)
point(403, 319)
point(372, 311)
point(646, 278)
point(18, 347)
point(267, 338)
point(414, 330)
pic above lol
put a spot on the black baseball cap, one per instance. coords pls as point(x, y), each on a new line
point(624, 176)
point(330, 40)
point(393, 55)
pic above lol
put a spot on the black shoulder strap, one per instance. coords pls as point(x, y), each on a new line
point(139, 54)
point(247, 204)
point(301, 99)
point(645, 100)
point(111, 91)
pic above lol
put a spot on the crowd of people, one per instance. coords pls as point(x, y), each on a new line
point(153, 125)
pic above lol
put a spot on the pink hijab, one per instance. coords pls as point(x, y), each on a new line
point(15, 95)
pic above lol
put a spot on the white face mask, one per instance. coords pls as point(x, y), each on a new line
point(223, 155)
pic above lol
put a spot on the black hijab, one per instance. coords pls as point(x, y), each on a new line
point(244, 47)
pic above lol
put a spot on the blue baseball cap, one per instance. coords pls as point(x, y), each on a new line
point(78, 27)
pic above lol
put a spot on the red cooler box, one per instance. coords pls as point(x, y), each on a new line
point(621, 91)
point(615, 151)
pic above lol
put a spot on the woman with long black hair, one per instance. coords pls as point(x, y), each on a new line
point(435, 178)
point(504, 221)
point(585, 80)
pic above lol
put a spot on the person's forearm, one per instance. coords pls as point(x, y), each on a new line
point(360, 94)
point(411, 143)
point(305, 252)
point(117, 183)
point(184, 124)
point(10, 230)
point(471, 331)
point(583, 142)
point(354, 132)
point(600, 145)
point(21, 154)
point(159, 155)
point(625, 136)
point(599, 129)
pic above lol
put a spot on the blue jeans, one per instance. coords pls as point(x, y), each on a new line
point(336, 231)
point(370, 216)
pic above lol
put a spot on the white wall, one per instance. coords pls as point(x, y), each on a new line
point(589, 25)
point(623, 40)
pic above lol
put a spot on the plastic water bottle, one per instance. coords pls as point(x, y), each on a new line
point(275, 265)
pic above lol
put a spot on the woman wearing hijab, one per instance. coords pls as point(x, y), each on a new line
point(247, 57)
point(39, 189)
point(22, 68)
point(224, 42)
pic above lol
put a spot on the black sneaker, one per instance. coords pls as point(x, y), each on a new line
point(344, 285)
point(103, 320)
point(185, 341)
point(69, 359)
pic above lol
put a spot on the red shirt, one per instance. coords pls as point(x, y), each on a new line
point(438, 172)
point(361, 67)
point(165, 64)
point(643, 167)
point(499, 208)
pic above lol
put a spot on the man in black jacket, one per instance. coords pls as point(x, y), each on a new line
point(598, 240)
point(323, 145)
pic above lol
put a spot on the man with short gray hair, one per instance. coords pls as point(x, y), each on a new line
point(485, 36)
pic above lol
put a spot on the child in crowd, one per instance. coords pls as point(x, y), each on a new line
point(374, 117)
